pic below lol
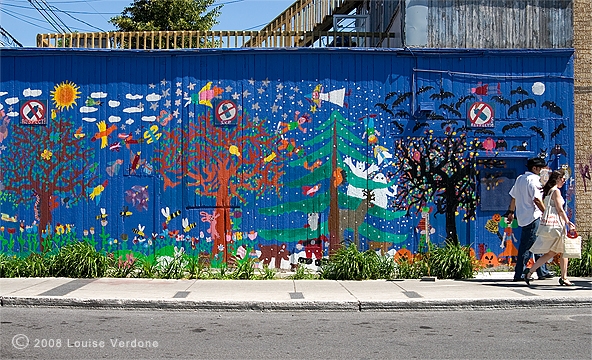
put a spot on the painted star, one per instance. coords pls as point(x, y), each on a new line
point(279, 96)
point(246, 93)
point(279, 86)
point(163, 82)
point(256, 119)
point(299, 103)
point(296, 89)
point(191, 114)
point(154, 106)
point(285, 116)
point(141, 106)
point(261, 91)
point(266, 82)
point(178, 102)
point(228, 88)
point(179, 92)
point(151, 86)
point(255, 106)
point(122, 127)
point(167, 103)
point(274, 108)
point(166, 93)
point(251, 81)
point(235, 96)
point(191, 86)
point(138, 131)
point(176, 113)
point(178, 84)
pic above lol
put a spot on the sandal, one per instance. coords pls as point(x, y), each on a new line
point(527, 276)
point(565, 282)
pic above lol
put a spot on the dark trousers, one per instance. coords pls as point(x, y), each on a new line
point(527, 239)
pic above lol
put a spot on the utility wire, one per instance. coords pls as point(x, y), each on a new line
point(45, 16)
point(55, 16)
point(6, 34)
point(82, 21)
point(7, 12)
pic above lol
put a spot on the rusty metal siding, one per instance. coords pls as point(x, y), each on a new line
point(509, 24)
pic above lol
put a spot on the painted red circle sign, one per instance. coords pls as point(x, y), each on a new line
point(481, 115)
point(226, 112)
point(33, 112)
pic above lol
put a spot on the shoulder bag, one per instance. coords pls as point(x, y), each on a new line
point(551, 226)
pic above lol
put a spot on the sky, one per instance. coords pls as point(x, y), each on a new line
point(23, 22)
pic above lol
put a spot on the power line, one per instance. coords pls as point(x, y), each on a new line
point(8, 12)
point(48, 17)
point(7, 35)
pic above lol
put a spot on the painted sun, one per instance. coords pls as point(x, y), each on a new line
point(65, 95)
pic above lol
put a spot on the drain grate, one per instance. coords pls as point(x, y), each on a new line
point(412, 294)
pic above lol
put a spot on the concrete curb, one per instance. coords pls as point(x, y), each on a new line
point(296, 305)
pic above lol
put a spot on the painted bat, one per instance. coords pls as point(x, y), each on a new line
point(539, 131)
point(402, 113)
point(398, 126)
point(450, 109)
point(520, 105)
point(442, 95)
point(434, 116)
point(401, 98)
point(384, 107)
point(448, 122)
point(419, 125)
point(519, 90)
point(552, 107)
point(500, 100)
point(463, 99)
point(424, 89)
point(484, 131)
point(558, 130)
point(511, 126)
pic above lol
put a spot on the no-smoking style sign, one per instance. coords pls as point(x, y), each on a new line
point(226, 113)
point(481, 115)
point(33, 112)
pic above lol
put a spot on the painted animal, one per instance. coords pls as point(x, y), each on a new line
point(4, 128)
point(353, 218)
point(212, 220)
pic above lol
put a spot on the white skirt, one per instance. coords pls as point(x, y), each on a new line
point(548, 242)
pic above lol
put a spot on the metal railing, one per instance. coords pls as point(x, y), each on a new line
point(149, 40)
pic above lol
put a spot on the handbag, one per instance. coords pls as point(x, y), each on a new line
point(573, 245)
point(551, 226)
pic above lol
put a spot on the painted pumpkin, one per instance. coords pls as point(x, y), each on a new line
point(496, 217)
point(489, 259)
point(403, 255)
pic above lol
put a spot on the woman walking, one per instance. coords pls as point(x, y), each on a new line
point(552, 228)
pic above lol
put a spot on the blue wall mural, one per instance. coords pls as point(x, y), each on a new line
point(280, 155)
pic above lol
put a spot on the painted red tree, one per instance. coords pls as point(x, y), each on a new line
point(224, 163)
point(439, 170)
point(43, 162)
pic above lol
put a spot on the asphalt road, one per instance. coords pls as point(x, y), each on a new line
point(53, 333)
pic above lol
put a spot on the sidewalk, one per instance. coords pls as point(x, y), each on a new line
point(486, 291)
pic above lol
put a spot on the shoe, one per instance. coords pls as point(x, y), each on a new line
point(517, 280)
point(545, 277)
point(565, 282)
point(527, 279)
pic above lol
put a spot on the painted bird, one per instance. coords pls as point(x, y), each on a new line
point(310, 190)
point(95, 193)
point(206, 94)
point(103, 133)
point(79, 134)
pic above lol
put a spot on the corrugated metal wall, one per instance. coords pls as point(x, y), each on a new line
point(529, 24)
point(275, 154)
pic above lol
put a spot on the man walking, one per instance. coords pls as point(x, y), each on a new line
point(527, 204)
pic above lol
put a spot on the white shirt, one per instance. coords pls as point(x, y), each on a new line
point(526, 188)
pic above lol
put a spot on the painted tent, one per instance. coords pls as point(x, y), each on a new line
point(280, 155)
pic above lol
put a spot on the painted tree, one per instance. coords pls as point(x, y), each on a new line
point(48, 161)
point(439, 170)
point(228, 163)
point(333, 143)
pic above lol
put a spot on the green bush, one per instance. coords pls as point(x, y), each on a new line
point(415, 268)
point(451, 262)
point(350, 264)
point(302, 273)
point(267, 273)
point(244, 270)
point(78, 260)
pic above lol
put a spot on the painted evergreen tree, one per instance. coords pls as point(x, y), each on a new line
point(333, 143)
point(439, 170)
point(48, 161)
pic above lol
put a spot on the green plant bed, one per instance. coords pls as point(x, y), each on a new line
point(350, 264)
point(78, 260)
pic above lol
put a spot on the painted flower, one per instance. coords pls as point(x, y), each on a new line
point(46, 154)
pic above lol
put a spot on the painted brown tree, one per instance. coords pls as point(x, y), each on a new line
point(228, 163)
point(48, 161)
